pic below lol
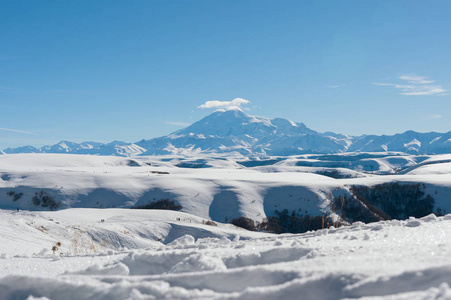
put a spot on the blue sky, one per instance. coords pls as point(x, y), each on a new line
point(128, 70)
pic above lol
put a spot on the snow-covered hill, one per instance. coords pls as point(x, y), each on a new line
point(226, 131)
point(218, 187)
point(131, 254)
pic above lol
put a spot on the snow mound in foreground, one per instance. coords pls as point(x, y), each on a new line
point(172, 255)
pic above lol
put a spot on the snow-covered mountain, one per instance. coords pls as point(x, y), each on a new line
point(409, 142)
point(235, 131)
point(93, 148)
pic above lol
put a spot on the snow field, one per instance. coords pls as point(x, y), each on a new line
point(142, 254)
point(391, 260)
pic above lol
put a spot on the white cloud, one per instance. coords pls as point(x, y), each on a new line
point(425, 90)
point(436, 116)
point(83, 92)
point(398, 86)
point(417, 86)
point(177, 123)
point(412, 78)
point(235, 103)
point(334, 86)
point(15, 130)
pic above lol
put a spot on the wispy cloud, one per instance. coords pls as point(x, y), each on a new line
point(436, 116)
point(7, 88)
point(235, 103)
point(415, 79)
point(84, 92)
point(334, 86)
point(18, 131)
point(177, 123)
point(416, 86)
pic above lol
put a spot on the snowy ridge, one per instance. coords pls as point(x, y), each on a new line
point(130, 254)
point(114, 148)
point(409, 142)
point(226, 131)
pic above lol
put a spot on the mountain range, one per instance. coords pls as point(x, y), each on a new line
point(235, 131)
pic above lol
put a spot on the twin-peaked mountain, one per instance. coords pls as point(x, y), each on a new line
point(233, 130)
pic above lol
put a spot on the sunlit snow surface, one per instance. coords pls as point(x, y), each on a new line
point(169, 255)
point(214, 187)
point(141, 254)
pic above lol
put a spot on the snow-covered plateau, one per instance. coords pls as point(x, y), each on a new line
point(92, 246)
point(213, 187)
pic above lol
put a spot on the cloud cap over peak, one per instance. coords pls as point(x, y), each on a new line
point(235, 103)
